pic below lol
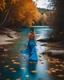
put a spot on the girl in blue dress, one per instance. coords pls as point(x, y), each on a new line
point(31, 47)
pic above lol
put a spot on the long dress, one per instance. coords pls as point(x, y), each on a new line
point(31, 50)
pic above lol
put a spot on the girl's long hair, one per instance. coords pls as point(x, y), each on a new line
point(32, 29)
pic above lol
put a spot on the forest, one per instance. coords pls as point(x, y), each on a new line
point(18, 13)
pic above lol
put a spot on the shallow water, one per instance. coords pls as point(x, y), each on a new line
point(16, 66)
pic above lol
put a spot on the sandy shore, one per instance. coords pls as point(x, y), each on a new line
point(5, 39)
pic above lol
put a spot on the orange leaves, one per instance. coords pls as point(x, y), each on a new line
point(2, 4)
point(26, 12)
point(13, 1)
point(44, 16)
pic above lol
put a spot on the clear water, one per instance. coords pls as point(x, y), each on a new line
point(41, 74)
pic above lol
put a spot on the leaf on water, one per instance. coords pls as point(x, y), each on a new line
point(57, 65)
point(61, 65)
point(34, 71)
point(22, 68)
point(17, 57)
point(13, 60)
point(14, 71)
point(30, 62)
point(40, 59)
point(16, 63)
point(53, 71)
point(11, 68)
point(48, 71)
point(4, 55)
point(6, 66)
point(18, 79)
point(51, 68)
point(60, 75)
point(57, 69)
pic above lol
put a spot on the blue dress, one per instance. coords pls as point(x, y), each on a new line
point(31, 50)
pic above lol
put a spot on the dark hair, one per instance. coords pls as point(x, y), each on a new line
point(32, 29)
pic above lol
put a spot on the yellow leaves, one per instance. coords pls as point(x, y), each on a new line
point(34, 71)
point(6, 66)
point(48, 71)
point(18, 79)
point(14, 71)
point(16, 63)
point(25, 11)
point(2, 4)
point(44, 16)
point(14, 1)
point(22, 68)
point(11, 68)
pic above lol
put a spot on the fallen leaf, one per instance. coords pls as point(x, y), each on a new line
point(14, 71)
point(6, 66)
point(48, 71)
point(34, 71)
point(18, 79)
point(22, 68)
point(11, 68)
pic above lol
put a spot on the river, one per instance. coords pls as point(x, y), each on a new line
point(16, 66)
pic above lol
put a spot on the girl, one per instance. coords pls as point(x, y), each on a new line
point(31, 47)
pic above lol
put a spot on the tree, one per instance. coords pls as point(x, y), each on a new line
point(58, 22)
point(23, 11)
point(2, 4)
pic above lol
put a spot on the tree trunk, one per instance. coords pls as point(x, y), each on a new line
point(5, 19)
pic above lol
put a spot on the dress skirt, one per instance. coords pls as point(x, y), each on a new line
point(31, 50)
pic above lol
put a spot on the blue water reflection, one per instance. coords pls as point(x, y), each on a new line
point(27, 67)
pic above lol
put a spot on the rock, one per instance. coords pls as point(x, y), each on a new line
point(54, 53)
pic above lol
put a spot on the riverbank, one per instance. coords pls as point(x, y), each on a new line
point(7, 37)
point(56, 49)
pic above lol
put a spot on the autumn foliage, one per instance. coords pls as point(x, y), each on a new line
point(2, 4)
point(23, 11)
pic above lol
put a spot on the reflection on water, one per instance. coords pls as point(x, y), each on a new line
point(16, 66)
